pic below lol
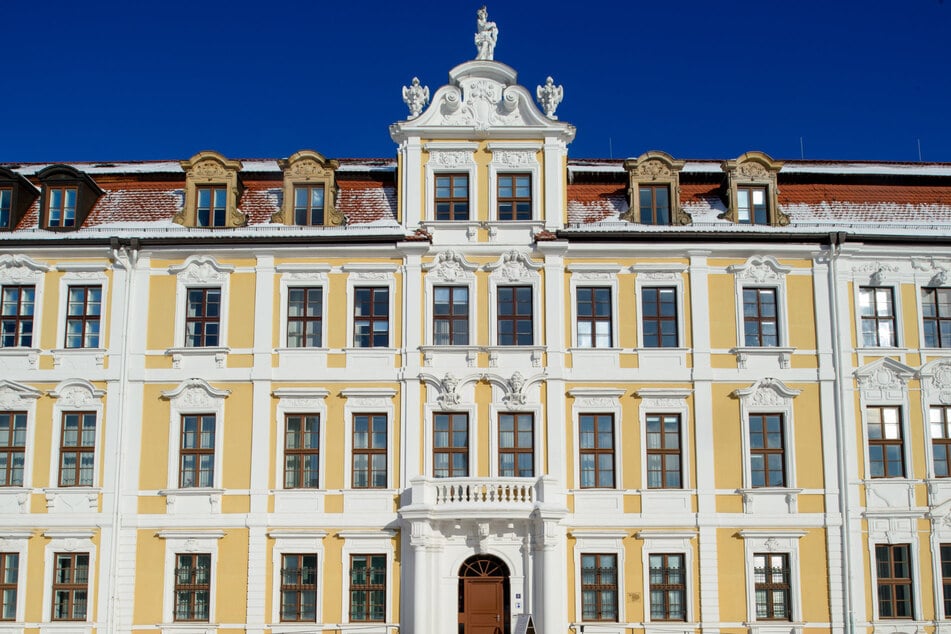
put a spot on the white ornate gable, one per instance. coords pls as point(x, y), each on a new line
point(451, 266)
point(514, 266)
point(766, 393)
point(884, 380)
point(936, 381)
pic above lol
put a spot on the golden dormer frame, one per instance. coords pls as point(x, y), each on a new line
point(307, 167)
point(210, 168)
point(654, 168)
point(756, 169)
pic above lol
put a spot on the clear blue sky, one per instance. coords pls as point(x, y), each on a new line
point(106, 80)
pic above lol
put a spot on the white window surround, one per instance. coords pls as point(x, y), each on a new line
point(199, 271)
point(17, 397)
point(371, 276)
point(495, 412)
point(596, 400)
point(470, 409)
point(778, 541)
point(672, 542)
point(75, 395)
point(514, 268)
point(894, 528)
point(300, 400)
point(601, 543)
point(302, 276)
point(17, 542)
point(514, 158)
point(938, 281)
point(194, 396)
point(762, 271)
point(188, 542)
point(666, 401)
point(594, 276)
point(935, 379)
point(875, 282)
point(451, 158)
point(660, 276)
point(884, 383)
point(68, 541)
point(452, 269)
point(81, 274)
point(375, 542)
point(295, 542)
point(20, 270)
point(370, 400)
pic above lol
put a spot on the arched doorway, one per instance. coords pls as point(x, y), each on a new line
point(484, 596)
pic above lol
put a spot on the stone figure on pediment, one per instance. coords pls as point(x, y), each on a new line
point(486, 36)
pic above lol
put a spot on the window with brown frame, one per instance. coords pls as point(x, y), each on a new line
point(663, 451)
point(192, 587)
point(514, 196)
point(514, 319)
point(939, 417)
point(77, 451)
point(760, 317)
point(12, 448)
point(298, 588)
point(197, 453)
point(450, 316)
point(936, 317)
point(305, 317)
point(450, 445)
point(70, 586)
point(83, 313)
point(212, 208)
point(203, 318)
point(367, 588)
point(668, 587)
point(599, 598)
point(654, 204)
point(946, 579)
point(597, 450)
point(9, 576)
point(61, 206)
point(16, 316)
point(751, 205)
point(885, 442)
point(771, 586)
point(877, 309)
point(517, 445)
point(767, 450)
point(309, 205)
point(452, 197)
point(893, 566)
point(6, 207)
point(369, 451)
point(371, 317)
point(659, 317)
point(301, 451)
point(594, 317)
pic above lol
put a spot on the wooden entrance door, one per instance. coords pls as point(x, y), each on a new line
point(484, 606)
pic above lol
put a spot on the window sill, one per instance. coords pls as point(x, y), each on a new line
point(189, 628)
point(66, 627)
point(78, 357)
point(16, 351)
point(596, 501)
point(595, 359)
point(302, 359)
point(890, 493)
point(774, 627)
point(470, 353)
point(81, 499)
point(754, 356)
point(770, 500)
point(469, 227)
point(299, 500)
point(670, 627)
point(192, 500)
point(216, 353)
point(14, 500)
point(513, 353)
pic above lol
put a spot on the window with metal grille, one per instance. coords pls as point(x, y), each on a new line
point(304, 317)
point(771, 586)
point(192, 587)
point(594, 317)
point(877, 309)
point(203, 317)
point(309, 205)
point(301, 451)
point(77, 451)
point(516, 445)
point(659, 317)
point(515, 196)
point(12, 448)
point(450, 316)
point(760, 317)
point(452, 197)
point(597, 450)
point(940, 421)
point(9, 576)
point(885, 442)
point(450, 445)
point(668, 587)
point(767, 450)
point(663, 451)
point(197, 456)
point(654, 203)
point(299, 587)
point(83, 313)
point(367, 588)
point(936, 317)
point(893, 566)
point(599, 601)
point(515, 321)
point(70, 586)
point(212, 207)
point(369, 451)
point(371, 317)
point(16, 316)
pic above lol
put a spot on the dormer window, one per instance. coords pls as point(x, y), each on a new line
point(6, 204)
point(752, 192)
point(16, 196)
point(212, 192)
point(309, 191)
point(654, 190)
point(68, 197)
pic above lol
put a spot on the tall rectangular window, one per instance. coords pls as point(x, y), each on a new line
point(515, 321)
point(767, 450)
point(309, 205)
point(371, 317)
point(77, 451)
point(760, 317)
point(517, 445)
point(877, 308)
point(885, 443)
point(367, 588)
point(771, 586)
point(450, 316)
point(70, 586)
point(197, 456)
point(940, 420)
point(663, 451)
point(450, 445)
point(936, 317)
point(9, 575)
point(599, 587)
point(659, 317)
point(16, 316)
point(668, 588)
point(61, 209)
point(298, 588)
point(12, 448)
point(6, 207)
point(192, 587)
point(654, 204)
point(212, 207)
point(369, 451)
point(301, 451)
point(515, 196)
point(83, 312)
point(304, 317)
point(594, 317)
point(597, 451)
point(751, 205)
point(203, 318)
point(452, 197)
point(946, 578)
point(893, 565)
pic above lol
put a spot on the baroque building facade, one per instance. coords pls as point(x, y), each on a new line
point(480, 388)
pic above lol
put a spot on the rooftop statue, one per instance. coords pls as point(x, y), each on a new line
point(486, 36)
point(415, 97)
point(549, 96)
